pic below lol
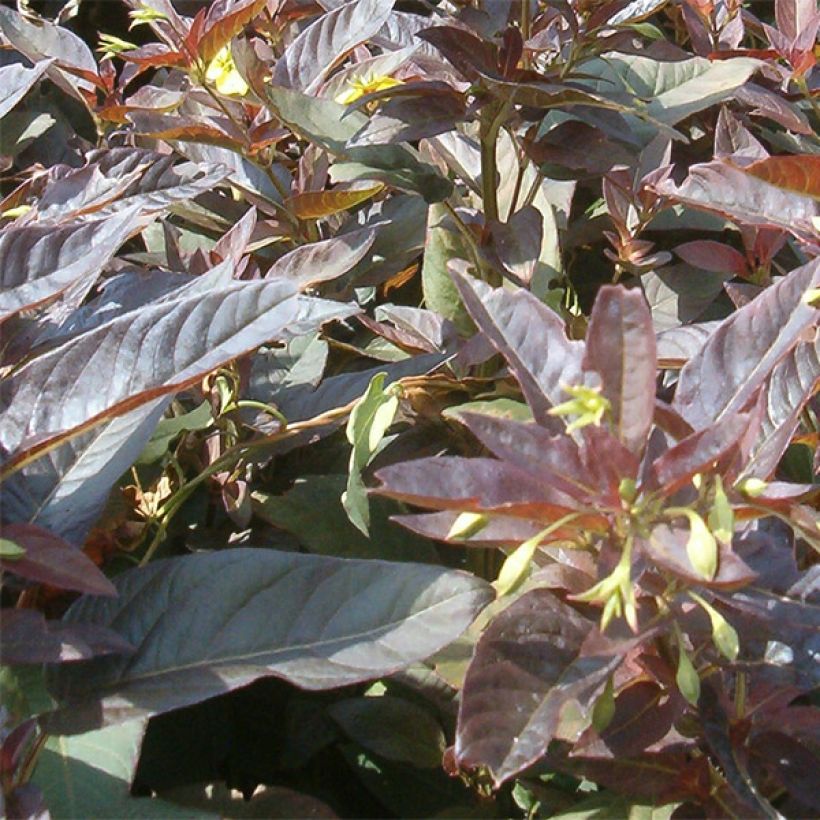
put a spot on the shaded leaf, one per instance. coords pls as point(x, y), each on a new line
point(392, 728)
point(312, 511)
point(50, 560)
point(29, 638)
point(201, 625)
point(91, 774)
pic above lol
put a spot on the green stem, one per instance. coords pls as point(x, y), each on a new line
point(491, 122)
point(526, 29)
point(469, 239)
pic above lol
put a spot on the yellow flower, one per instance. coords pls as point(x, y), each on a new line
point(223, 74)
point(366, 84)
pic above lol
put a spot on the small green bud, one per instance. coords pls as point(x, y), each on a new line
point(721, 516)
point(466, 525)
point(516, 566)
point(687, 677)
point(604, 709)
point(752, 487)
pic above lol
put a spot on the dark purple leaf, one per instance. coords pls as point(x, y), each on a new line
point(202, 625)
point(555, 460)
point(477, 484)
point(621, 348)
point(790, 763)
point(528, 666)
point(50, 560)
point(644, 713)
point(666, 546)
point(722, 378)
point(29, 638)
point(500, 530)
point(533, 340)
point(697, 452)
point(679, 344)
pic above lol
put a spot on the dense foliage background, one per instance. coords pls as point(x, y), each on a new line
point(409, 409)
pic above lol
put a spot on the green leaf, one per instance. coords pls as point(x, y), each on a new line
point(167, 430)
point(90, 775)
point(330, 125)
point(604, 709)
point(392, 728)
point(442, 245)
point(313, 512)
point(369, 421)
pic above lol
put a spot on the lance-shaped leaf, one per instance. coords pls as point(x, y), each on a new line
point(472, 484)
point(67, 489)
point(44, 40)
point(533, 340)
point(15, 82)
point(143, 355)
point(330, 125)
point(323, 44)
point(38, 262)
point(153, 180)
point(798, 172)
point(319, 204)
point(50, 560)
point(226, 19)
point(729, 191)
point(322, 261)
point(621, 348)
point(515, 689)
point(555, 460)
point(739, 356)
point(698, 451)
point(792, 383)
point(210, 622)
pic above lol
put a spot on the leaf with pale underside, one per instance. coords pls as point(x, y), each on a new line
point(533, 340)
point(796, 172)
point(16, 81)
point(311, 56)
point(143, 355)
point(723, 189)
point(738, 357)
point(37, 262)
point(202, 626)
